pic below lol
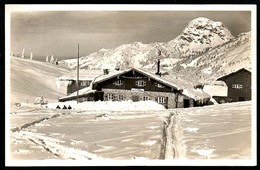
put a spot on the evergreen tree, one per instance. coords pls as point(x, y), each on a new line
point(52, 59)
point(23, 53)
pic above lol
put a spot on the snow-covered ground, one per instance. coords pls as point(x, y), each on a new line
point(219, 132)
point(214, 132)
point(108, 105)
point(77, 134)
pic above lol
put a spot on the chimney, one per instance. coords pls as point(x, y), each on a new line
point(158, 68)
point(105, 71)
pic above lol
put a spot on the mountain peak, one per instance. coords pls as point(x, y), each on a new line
point(200, 35)
point(200, 21)
point(205, 23)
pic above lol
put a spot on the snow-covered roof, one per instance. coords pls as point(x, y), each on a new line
point(216, 90)
point(170, 83)
point(196, 94)
point(178, 83)
point(111, 74)
point(83, 91)
point(165, 79)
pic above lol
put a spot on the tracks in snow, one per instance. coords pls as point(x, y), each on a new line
point(55, 147)
point(17, 129)
point(50, 144)
point(168, 147)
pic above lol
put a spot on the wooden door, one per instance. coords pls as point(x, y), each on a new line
point(135, 98)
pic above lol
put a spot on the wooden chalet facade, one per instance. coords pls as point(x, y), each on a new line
point(136, 85)
point(239, 86)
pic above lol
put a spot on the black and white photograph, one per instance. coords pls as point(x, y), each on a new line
point(130, 85)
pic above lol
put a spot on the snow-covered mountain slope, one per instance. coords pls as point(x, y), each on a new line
point(219, 61)
point(136, 54)
point(200, 51)
point(31, 79)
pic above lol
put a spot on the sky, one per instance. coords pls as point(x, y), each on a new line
point(59, 32)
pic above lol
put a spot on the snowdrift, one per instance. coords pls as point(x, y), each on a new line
point(108, 105)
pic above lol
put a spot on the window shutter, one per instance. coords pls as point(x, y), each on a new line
point(105, 96)
point(112, 96)
point(136, 83)
point(144, 83)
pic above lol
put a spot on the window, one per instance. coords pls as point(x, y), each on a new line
point(83, 83)
point(118, 83)
point(161, 100)
point(160, 85)
point(121, 97)
point(110, 96)
point(237, 86)
point(115, 97)
point(145, 98)
point(140, 83)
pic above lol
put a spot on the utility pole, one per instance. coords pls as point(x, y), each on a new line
point(78, 76)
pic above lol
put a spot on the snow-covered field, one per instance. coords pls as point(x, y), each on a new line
point(86, 135)
point(220, 132)
point(214, 132)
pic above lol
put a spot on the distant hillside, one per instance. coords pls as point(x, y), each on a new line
point(31, 79)
point(218, 61)
point(205, 49)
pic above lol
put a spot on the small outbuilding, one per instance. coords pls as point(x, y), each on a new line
point(239, 86)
